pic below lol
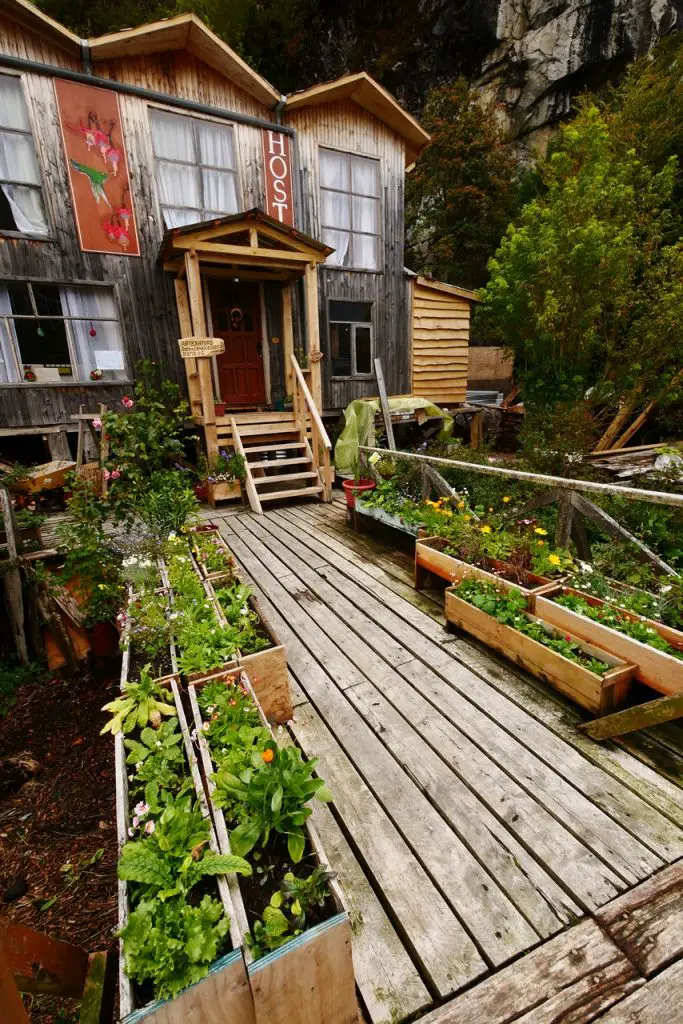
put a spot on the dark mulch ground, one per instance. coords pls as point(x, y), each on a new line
point(58, 817)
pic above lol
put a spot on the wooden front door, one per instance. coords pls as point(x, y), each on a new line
point(236, 314)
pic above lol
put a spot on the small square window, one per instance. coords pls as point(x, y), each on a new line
point(351, 339)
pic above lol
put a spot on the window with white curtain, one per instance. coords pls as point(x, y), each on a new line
point(52, 332)
point(349, 209)
point(351, 339)
point(196, 168)
point(21, 202)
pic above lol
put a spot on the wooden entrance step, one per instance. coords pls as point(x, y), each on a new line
point(297, 492)
point(279, 478)
point(285, 446)
point(300, 460)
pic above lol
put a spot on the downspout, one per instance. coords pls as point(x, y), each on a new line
point(85, 57)
point(278, 108)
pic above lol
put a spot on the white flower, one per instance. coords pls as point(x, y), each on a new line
point(211, 708)
point(141, 809)
point(665, 590)
point(130, 832)
point(193, 735)
point(136, 821)
point(138, 766)
point(245, 610)
point(149, 827)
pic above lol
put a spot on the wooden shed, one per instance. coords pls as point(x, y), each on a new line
point(440, 334)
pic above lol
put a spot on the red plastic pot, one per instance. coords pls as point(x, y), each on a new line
point(354, 487)
point(104, 640)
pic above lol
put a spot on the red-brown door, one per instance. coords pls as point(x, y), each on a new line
point(235, 310)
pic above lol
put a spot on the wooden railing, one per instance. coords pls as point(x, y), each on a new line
point(320, 445)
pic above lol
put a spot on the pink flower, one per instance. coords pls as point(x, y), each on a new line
point(142, 808)
point(106, 474)
point(115, 474)
point(136, 821)
point(149, 828)
point(127, 402)
point(97, 424)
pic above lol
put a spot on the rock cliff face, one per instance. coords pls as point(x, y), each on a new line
point(548, 51)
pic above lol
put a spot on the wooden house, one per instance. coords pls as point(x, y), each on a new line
point(440, 332)
point(154, 187)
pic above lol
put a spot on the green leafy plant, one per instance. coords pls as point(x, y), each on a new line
point(165, 504)
point(286, 916)
point(149, 626)
point(157, 756)
point(206, 644)
point(610, 616)
point(140, 702)
point(173, 943)
point(274, 795)
point(12, 676)
point(227, 466)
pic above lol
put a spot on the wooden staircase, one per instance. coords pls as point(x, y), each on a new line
point(287, 454)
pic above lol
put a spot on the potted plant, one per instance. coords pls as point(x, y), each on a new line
point(358, 485)
point(226, 471)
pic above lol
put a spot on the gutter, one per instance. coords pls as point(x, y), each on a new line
point(87, 78)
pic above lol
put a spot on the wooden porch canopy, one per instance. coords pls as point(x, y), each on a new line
point(255, 247)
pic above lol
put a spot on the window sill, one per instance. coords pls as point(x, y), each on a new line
point(68, 384)
point(30, 238)
point(359, 377)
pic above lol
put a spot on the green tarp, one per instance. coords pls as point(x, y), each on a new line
point(359, 417)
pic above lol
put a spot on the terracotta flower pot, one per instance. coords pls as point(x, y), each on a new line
point(201, 492)
point(354, 487)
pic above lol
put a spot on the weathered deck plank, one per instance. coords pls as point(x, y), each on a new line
point(660, 1001)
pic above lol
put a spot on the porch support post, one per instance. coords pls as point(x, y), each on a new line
point(185, 321)
point(313, 330)
point(288, 336)
point(194, 284)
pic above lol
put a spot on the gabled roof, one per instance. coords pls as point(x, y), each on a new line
point(370, 95)
point(280, 237)
point(36, 21)
point(185, 32)
point(441, 286)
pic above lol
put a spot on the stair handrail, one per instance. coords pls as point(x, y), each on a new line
point(321, 446)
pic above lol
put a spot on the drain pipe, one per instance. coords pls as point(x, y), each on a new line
point(86, 57)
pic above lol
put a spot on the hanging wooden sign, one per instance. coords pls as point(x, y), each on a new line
point(198, 348)
point(277, 161)
point(98, 171)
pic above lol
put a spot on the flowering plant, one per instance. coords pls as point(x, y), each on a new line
point(29, 374)
point(96, 374)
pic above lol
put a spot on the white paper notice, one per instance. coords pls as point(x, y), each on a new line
point(46, 374)
point(108, 359)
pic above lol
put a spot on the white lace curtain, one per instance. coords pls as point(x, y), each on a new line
point(103, 351)
point(196, 168)
point(8, 368)
point(349, 208)
point(18, 164)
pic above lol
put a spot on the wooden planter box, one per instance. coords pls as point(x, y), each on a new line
point(227, 983)
point(385, 518)
point(430, 557)
point(657, 669)
point(598, 694)
point(215, 533)
point(225, 490)
point(310, 979)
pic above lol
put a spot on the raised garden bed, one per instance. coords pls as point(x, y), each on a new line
point(431, 556)
point(386, 518)
point(598, 693)
point(230, 490)
point(661, 670)
point(309, 978)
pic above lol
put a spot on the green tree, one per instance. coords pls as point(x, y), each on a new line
point(463, 190)
point(584, 288)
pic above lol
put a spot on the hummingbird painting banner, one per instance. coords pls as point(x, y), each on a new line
point(98, 171)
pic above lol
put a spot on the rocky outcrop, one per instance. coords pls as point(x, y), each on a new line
point(548, 51)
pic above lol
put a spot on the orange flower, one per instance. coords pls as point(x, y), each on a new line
point(268, 755)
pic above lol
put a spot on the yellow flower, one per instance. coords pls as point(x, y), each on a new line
point(433, 504)
point(101, 586)
point(540, 543)
point(554, 559)
point(461, 504)
point(467, 518)
point(485, 529)
point(541, 532)
point(490, 508)
point(506, 498)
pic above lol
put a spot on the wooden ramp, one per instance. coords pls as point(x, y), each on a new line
point(472, 822)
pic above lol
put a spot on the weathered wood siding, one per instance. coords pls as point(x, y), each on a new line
point(144, 292)
point(346, 126)
point(441, 330)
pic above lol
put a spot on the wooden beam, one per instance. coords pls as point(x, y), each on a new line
point(619, 421)
point(615, 529)
point(313, 331)
point(654, 712)
point(287, 337)
point(564, 519)
point(249, 253)
point(12, 579)
point(185, 322)
point(384, 402)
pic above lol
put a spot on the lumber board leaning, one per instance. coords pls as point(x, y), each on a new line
point(42, 964)
point(642, 716)
point(574, 976)
point(647, 922)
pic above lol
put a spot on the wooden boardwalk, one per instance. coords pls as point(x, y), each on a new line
point(472, 823)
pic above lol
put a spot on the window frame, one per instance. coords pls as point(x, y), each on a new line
point(16, 352)
point(354, 375)
point(49, 235)
point(237, 172)
point(352, 195)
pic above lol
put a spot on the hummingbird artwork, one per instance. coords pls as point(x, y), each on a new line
point(95, 178)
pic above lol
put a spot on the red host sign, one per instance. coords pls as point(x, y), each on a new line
point(279, 186)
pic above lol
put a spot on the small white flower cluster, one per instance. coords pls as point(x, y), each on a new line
point(140, 811)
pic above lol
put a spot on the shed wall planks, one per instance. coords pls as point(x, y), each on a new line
point(440, 339)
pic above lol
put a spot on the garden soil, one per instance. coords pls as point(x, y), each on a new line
point(58, 818)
